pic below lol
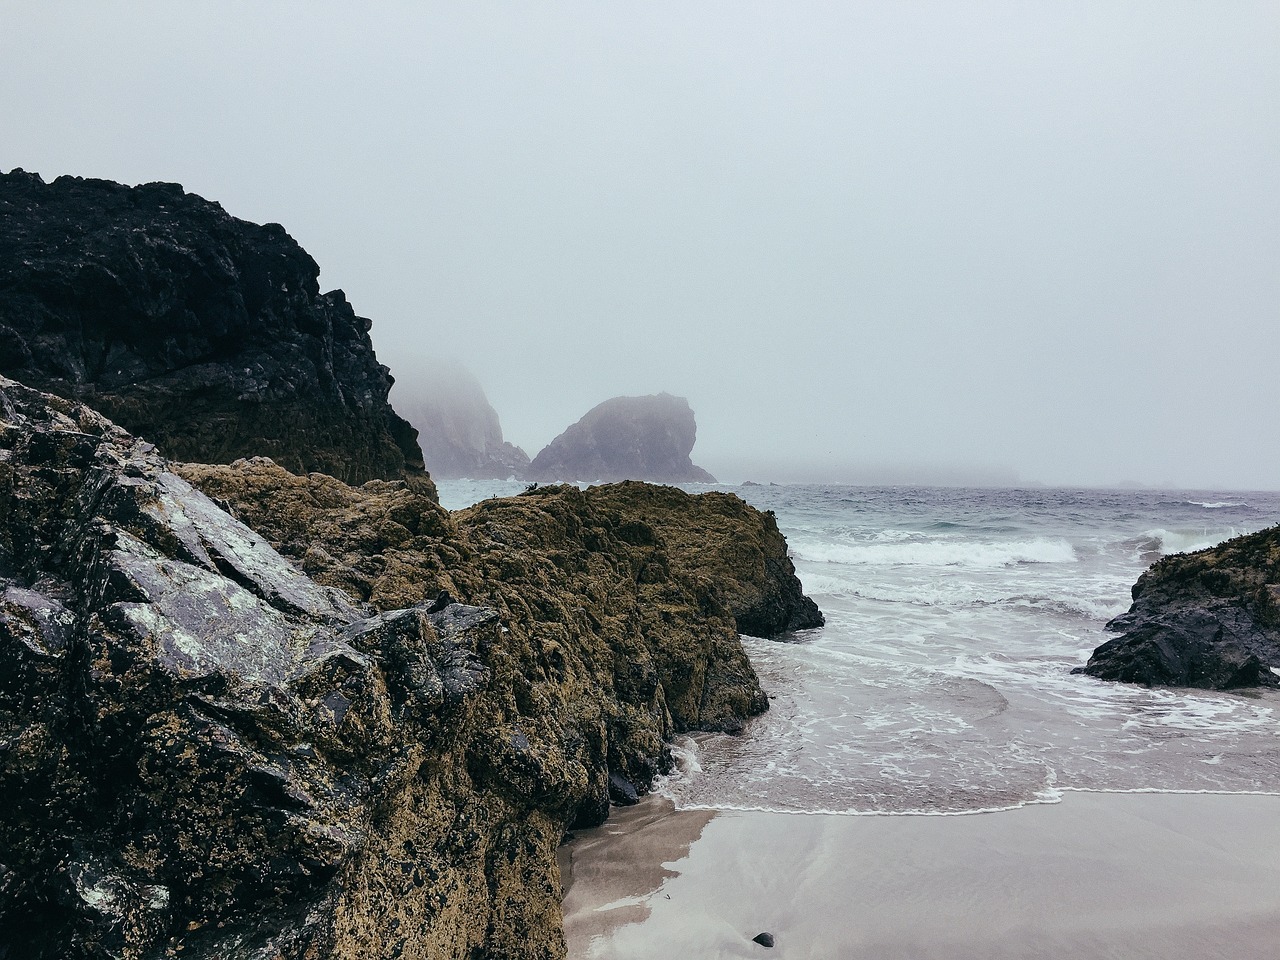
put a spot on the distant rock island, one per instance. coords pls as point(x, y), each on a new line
point(457, 427)
point(203, 333)
point(1208, 619)
point(626, 438)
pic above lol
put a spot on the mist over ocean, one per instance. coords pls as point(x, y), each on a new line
point(942, 681)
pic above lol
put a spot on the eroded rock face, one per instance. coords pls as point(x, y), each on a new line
point(457, 427)
point(622, 641)
point(202, 333)
point(196, 739)
point(207, 752)
point(626, 438)
point(1208, 619)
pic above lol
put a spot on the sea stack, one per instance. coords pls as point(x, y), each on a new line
point(626, 438)
point(457, 427)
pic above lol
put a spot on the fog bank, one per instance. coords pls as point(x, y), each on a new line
point(1035, 241)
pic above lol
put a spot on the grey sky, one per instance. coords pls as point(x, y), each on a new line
point(1038, 239)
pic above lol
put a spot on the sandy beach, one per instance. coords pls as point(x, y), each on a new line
point(1097, 875)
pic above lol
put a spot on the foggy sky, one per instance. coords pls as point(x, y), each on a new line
point(1006, 240)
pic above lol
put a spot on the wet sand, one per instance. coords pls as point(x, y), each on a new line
point(1124, 876)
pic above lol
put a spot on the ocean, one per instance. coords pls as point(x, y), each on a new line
point(942, 684)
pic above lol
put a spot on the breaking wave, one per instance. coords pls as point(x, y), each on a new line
point(939, 553)
point(1161, 542)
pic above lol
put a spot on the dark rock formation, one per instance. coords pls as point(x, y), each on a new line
point(622, 791)
point(201, 750)
point(205, 752)
point(458, 429)
point(202, 333)
point(626, 438)
point(1208, 619)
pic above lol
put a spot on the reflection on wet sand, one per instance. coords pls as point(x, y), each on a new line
point(608, 874)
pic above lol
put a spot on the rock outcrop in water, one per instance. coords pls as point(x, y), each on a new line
point(626, 438)
point(457, 427)
point(714, 533)
point(206, 334)
point(206, 752)
point(1208, 619)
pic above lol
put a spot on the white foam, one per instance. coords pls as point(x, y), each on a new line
point(1188, 541)
point(1197, 711)
point(1051, 794)
point(1089, 609)
point(684, 751)
point(1047, 798)
point(684, 754)
point(939, 552)
point(941, 684)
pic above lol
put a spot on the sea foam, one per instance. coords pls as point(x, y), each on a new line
point(939, 552)
point(1184, 540)
point(942, 681)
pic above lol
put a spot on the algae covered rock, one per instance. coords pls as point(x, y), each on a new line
point(209, 751)
point(202, 333)
point(1208, 619)
point(204, 753)
point(164, 743)
point(620, 642)
point(738, 550)
point(626, 438)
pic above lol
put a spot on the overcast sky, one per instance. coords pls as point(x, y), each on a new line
point(1017, 240)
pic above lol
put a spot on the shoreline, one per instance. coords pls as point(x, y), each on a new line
point(1133, 874)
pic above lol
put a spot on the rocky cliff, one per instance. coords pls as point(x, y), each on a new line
point(205, 334)
point(626, 438)
point(208, 752)
point(457, 427)
point(1207, 619)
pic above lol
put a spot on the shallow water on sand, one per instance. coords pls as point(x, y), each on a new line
point(942, 681)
